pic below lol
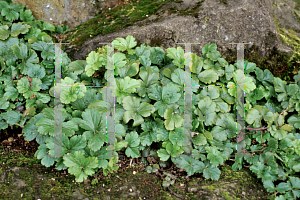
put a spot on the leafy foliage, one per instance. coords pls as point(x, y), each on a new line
point(149, 107)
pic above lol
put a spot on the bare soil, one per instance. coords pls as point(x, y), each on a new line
point(23, 177)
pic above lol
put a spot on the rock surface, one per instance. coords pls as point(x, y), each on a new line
point(265, 23)
point(68, 12)
point(208, 22)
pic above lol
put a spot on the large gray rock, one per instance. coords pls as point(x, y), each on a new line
point(71, 13)
point(212, 22)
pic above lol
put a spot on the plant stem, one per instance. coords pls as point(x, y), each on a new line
point(177, 195)
point(19, 125)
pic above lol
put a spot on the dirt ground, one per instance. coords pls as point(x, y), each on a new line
point(23, 177)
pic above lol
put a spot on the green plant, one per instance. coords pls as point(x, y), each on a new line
point(24, 78)
point(208, 145)
point(149, 110)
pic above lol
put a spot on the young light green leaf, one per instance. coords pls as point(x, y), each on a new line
point(170, 93)
point(45, 126)
point(245, 82)
point(178, 77)
point(280, 85)
point(177, 55)
point(93, 61)
point(125, 86)
point(163, 154)
point(208, 76)
point(48, 26)
point(166, 95)
point(71, 94)
point(277, 134)
point(26, 16)
point(111, 164)
point(77, 67)
point(211, 92)
point(27, 88)
point(197, 64)
point(237, 164)
point(136, 110)
point(221, 105)
point(212, 52)
point(123, 45)
point(120, 145)
point(4, 104)
point(80, 166)
point(172, 119)
point(129, 70)
point(69, 128)
point(162, 135)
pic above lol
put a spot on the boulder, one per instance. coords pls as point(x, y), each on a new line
point(220, 22)
point(70, 13)
point(267, 24)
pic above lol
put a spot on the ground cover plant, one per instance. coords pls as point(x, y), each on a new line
point(148, 109)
